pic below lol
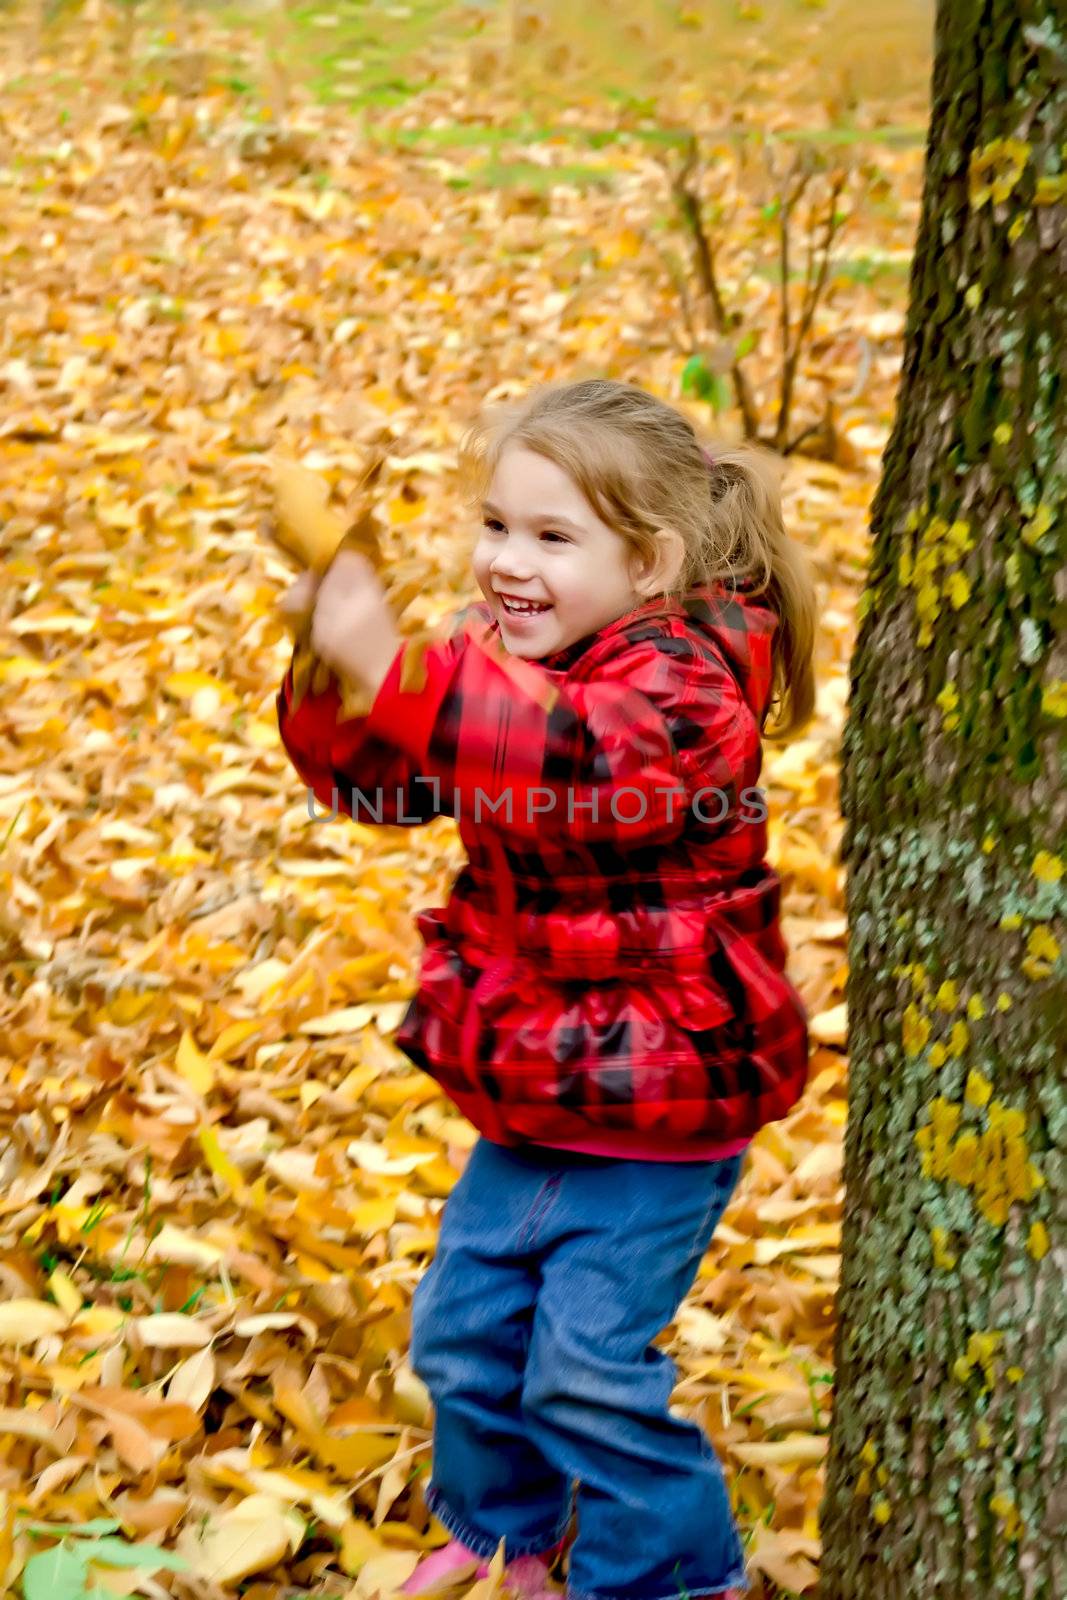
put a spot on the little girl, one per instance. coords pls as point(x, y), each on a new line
point(604, 994)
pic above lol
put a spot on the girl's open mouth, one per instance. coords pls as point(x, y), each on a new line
point(524, 608)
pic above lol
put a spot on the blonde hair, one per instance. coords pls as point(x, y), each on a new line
point(642, 466)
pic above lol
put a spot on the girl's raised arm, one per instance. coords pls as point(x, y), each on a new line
point(616, 759)
point(348, 768)
point(363, 774)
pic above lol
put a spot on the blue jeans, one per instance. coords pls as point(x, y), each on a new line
point(532, 1330)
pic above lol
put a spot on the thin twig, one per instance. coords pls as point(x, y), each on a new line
point(379, 1472)
point(688, 202)
point(813, 295)
point(790, 351)
point(806, 433)
point(678, 279)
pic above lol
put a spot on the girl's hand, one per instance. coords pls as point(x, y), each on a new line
point(352, 629)
point(298, 600)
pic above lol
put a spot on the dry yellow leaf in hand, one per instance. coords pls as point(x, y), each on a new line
point(413, 666)
point(305, 527)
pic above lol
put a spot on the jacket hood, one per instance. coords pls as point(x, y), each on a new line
point(740, 627)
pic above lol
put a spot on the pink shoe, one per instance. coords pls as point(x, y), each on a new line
point(442, 1569)
point(526, 1576)
point(435, 1570)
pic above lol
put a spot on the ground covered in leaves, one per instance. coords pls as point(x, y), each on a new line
point(219, 1180)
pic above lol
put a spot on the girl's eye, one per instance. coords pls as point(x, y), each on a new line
point(492, 524)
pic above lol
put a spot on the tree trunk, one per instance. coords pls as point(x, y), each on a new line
point(946, 1476)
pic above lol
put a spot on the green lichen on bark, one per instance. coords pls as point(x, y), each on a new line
point(946, 1464)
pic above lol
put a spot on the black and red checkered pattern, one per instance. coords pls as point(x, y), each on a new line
point(601, 970)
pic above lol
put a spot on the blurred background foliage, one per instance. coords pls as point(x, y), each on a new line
point(830, 67)
point(779, 126)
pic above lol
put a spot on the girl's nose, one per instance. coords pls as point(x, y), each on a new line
point(502, 568)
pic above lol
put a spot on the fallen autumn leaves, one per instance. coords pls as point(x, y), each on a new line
point(220, 1181)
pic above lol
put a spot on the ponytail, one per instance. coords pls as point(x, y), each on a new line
point(747, 544)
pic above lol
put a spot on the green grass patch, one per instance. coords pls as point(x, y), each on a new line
point(866, 269)
point(466, 136)
point(381, 92)
point(461, 136)
point(899, 137)
point(857, 269)
point(530, 175)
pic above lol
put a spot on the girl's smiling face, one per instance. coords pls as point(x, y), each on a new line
point(542, 542)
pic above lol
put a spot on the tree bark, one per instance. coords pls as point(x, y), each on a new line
point(946, 1476)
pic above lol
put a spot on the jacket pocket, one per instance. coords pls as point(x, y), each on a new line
point(612, 1052)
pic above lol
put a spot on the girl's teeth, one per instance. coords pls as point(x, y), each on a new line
point(524, 610)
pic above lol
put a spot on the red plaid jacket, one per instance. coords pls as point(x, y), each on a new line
point(609, 965)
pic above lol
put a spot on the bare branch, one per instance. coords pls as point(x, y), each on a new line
point(813, 294)
point(687, 199)
point(678, 279)
point(788, 204)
